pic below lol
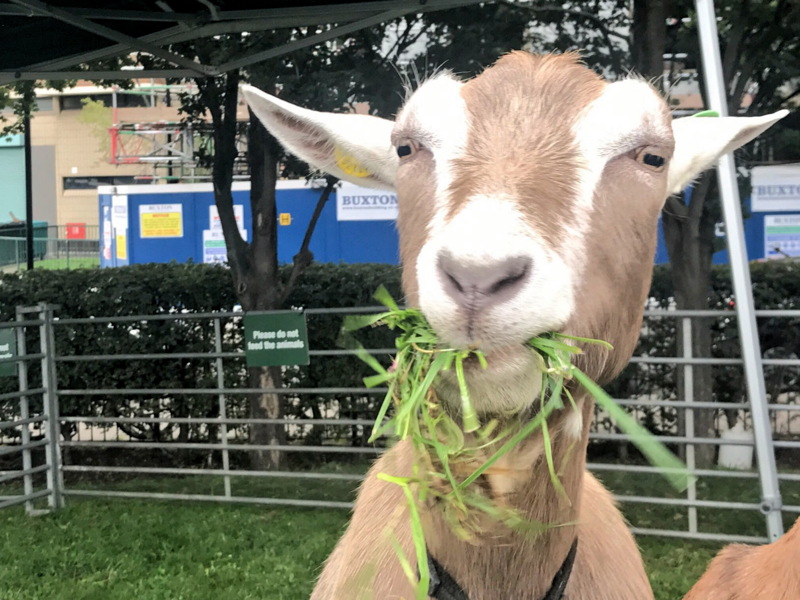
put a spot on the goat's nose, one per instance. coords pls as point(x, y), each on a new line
point(477, 286)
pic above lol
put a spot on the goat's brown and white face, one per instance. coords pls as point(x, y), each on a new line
point(504, 183)
point(528, 202)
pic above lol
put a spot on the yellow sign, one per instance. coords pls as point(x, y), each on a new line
point(161, 220)
point(285, 219)
point(122, 246)
point(350, 164)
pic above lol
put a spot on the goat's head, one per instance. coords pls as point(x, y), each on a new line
point(528, 202)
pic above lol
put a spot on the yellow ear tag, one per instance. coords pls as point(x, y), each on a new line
point(349, 164)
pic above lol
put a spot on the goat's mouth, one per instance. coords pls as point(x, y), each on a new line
point(508, 382)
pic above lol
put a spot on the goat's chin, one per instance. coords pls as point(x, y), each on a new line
point(507, 387)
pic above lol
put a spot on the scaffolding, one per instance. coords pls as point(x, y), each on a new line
point(175, 151)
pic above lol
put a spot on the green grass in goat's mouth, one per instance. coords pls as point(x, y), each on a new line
point(453, 452)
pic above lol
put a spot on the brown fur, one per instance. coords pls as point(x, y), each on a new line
point(534, 159)
point(740, 572)
point(364, 564)
point(531, 92)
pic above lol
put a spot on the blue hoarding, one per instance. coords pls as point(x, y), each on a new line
point(161, 223)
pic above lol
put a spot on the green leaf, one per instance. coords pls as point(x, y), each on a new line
point(672, 468)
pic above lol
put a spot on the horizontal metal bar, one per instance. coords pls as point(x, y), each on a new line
point(14, 395)
point(650, 360)
point(711, 537)
point(679, 313)
point(679, 404)
point(215, 421)
point(232, 447)
point(200, 355)
point(18, 324)
point(217, 472)
point(770, 312)
point(677, 360)
point(621, 437)
point(789, 407)
point(785, 444)
point(22, 499)
point(700, 405)
point(213, 315)
point(26, 310)
point(22, 358)
point(362, 309)
point(658, 471)
point(217, 391)
point(20, 422)
point(160, 356)
point(210, 498)
point(11, 475)
point(684, 502)
point(781, 362)
point(14, 449)
point(791, 508)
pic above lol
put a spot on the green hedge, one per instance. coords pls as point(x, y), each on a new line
point(170, 288)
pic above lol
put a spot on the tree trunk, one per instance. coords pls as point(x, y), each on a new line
point(649, 37)
point(266, 406)
point(254, 264)
point(689, 237)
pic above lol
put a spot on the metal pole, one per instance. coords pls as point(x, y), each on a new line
point(223, 429)
point(26, 123)
point(24, 412)
point(52, 450)
point(688, 394)
point(742, 286)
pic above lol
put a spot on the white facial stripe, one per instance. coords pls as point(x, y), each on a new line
point(625, 116)
point(436, 116)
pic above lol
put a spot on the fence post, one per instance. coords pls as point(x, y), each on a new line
point(24, 411)
point(223, 411)
point(55, 483)
point(688, 395)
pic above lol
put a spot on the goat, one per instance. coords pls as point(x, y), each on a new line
point(528, 202)
point(770, 572)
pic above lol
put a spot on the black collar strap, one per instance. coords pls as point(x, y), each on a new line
point(444, 587)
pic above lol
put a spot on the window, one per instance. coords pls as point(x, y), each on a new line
point(123, 100)
point(45, 104)
point(91, 183)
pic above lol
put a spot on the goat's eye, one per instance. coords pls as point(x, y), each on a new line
point(651, 158)
point(407, 148)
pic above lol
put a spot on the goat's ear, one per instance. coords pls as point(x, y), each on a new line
point(700, 141)
point(356, 148)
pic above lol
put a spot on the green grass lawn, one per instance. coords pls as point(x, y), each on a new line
point(162, 550)
point(62, 263)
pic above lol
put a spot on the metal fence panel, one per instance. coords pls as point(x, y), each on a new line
point(197, 429)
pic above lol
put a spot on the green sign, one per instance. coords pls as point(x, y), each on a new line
point(276, 339)
point(8, 349)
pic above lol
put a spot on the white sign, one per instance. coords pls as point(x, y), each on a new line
point(215, 223)
point(782, 236)
point(119, 213)
point(354, 203)
point(214, 250)
point(106, 233)
point(776, 188)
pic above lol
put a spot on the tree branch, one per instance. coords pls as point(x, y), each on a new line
point(676, 208)
point(304, 256)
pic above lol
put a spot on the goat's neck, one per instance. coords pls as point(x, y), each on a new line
point(521, 481)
